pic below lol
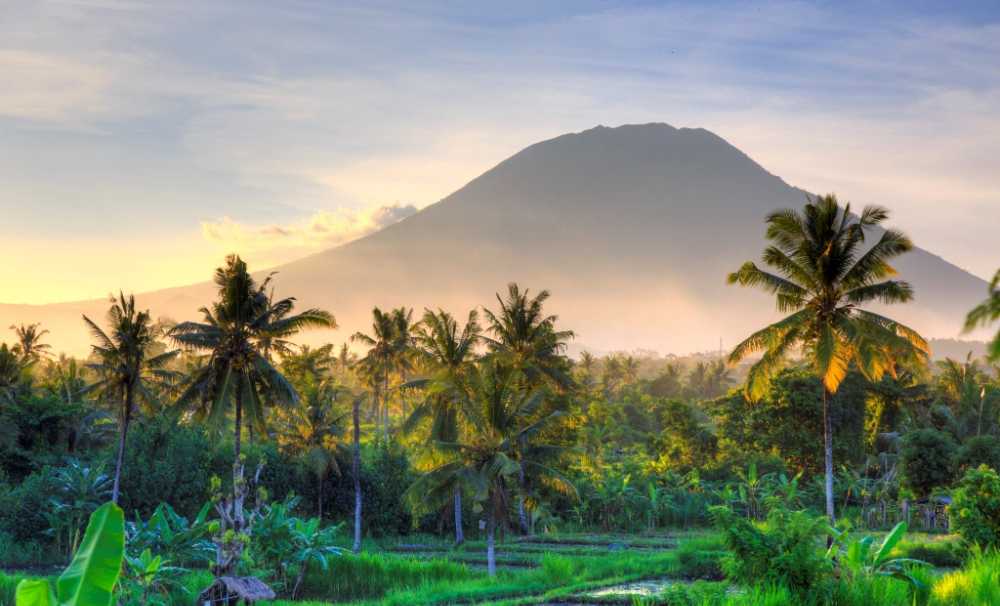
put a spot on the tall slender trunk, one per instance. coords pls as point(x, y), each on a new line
point(356, 471)
point(459, 532)
point(385, 406)
point(828, 455)
point(491, 526)
point(120, 460)
point(522, 512)
point(238, 487)
point(319, 495)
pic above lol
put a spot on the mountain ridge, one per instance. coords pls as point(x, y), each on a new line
point(632, 228)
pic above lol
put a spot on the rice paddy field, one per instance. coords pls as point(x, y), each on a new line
point(682, 568)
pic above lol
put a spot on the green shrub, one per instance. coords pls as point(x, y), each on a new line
point(975, 509)
point(944, 553)
point(701, 558)
point(928, 460)
point(980, 450)
point(783, 550)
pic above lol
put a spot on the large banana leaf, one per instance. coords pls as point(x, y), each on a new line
point(35, 592)
point(91, 577)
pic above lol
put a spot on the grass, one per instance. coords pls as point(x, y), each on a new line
point(975, 585)
point(396, 579)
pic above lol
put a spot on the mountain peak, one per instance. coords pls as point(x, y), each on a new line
point(632, 228)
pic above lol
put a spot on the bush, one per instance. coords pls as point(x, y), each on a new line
point(945, 553)
point(23, 508)
point(975, 509)
point(702, 558)
point(928, 460)
point(783, 550)
point(171, 463)
point(980, 450)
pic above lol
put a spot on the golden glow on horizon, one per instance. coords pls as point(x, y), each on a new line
point(46, 271)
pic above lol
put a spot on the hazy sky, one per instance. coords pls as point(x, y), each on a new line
point(141, 141)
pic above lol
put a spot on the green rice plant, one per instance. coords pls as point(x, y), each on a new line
point(559, 569)
point(368, 575)
point(977, 584)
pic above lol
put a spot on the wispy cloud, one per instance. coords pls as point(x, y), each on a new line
point(147, 117)
point(322, 230)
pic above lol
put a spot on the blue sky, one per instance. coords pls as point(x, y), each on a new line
point(141, 141)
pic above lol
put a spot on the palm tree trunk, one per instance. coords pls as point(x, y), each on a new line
point(237, 463)
point(491, 556)
point(356, 470)
point(385, 406)
point(828, 455)
point(459, 532)
point(319, 495)
point(120, 460)
point(522, 513)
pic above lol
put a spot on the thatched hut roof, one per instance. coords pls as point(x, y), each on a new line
point(230, 590)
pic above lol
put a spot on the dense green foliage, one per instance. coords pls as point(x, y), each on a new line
point(244, 453)
point(976, 507)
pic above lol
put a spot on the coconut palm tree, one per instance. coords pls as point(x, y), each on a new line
point(448, 353)
point(526, 339)
point(502, 418)
point(824, 274)
point(237, 372)
point(315, 429)
point(378, 364)
point(125, 367)
point(29, 345)
point(12, 374)
point(986, 313)
point(405, 348)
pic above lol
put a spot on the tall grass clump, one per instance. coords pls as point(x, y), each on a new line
point(372, 575)
point(977, 584)
point(701, 558)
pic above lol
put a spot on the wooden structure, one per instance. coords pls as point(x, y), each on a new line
point(230, 591)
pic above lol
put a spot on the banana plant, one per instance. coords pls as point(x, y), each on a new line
point(91, 577)
point(149, 579)
point(857, 558)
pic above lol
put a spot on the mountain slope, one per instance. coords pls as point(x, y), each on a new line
point(633, 229)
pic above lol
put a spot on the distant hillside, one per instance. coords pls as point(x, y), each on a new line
point(633, 229)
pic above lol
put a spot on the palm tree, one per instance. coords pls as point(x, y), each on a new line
point(526, 339)
point(987, 312)
point(587, 364)
point(824, 276)
point(448, 353)
point(405, 348)
point(12, 374)
point(502, 417)
point(378, 363)
point(29, 345)
point(314, 429)
point(233, 335)
point(125, 367)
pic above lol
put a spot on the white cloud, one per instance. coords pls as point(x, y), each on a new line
point(324, 229)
